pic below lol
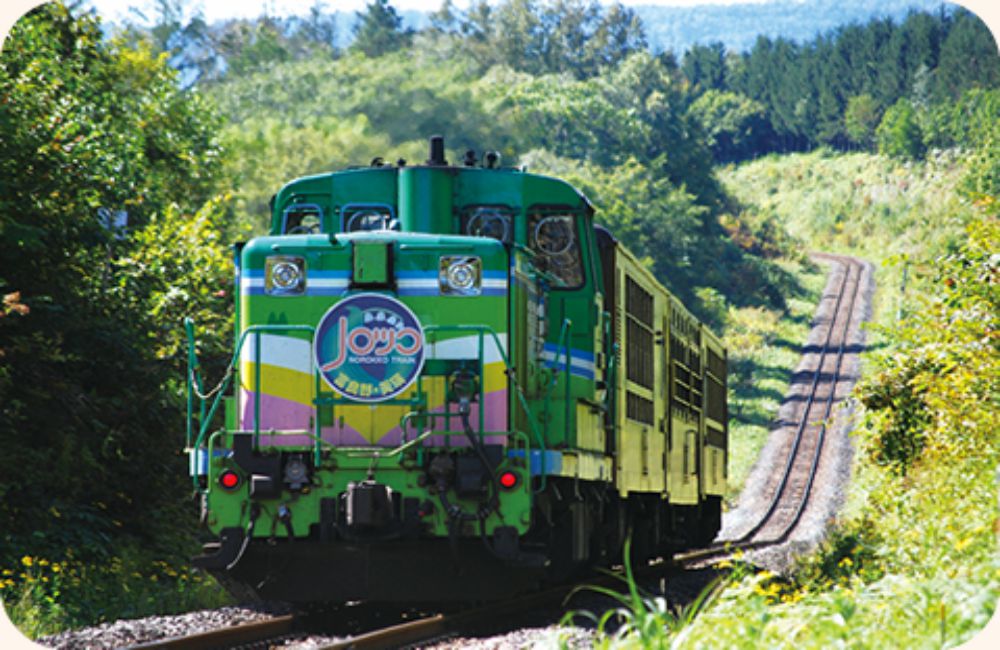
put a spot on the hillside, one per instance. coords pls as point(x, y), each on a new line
point(913, 561)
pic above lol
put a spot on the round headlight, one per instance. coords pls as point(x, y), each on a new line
point(286, 275)
point(461, 276)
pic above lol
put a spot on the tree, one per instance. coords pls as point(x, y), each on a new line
point(319, 30)
point(704, 66)
point(619, 35)
point(517, 36)
point(861, 118)
point(181, 32)
point(445, 19)
point(899, 133)
point(379, 29)
point(969, 58)
point(252, 45)
point(735, 126)
point(99, 142)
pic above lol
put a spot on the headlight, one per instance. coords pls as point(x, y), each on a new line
point(284, 275)
point(460, 275)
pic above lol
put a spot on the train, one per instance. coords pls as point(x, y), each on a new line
point(449, 384)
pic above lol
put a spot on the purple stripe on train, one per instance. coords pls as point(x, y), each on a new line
point(280, 414)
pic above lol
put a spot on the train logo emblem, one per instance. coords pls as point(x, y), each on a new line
point(369, 347)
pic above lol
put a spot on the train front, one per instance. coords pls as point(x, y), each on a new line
point(370, 448)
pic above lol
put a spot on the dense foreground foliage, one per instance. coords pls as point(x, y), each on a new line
point(110, 232)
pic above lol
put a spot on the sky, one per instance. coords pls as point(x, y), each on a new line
point(220, 9)
point(213, 10)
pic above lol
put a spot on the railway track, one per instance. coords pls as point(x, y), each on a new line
point(789, 497)
point(429, 628)
point(790, 490)
point(246, 635)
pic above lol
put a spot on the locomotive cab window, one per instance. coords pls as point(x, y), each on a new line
point(302, 219)
point(495, 221)
point(553, 237)
point(363, 217)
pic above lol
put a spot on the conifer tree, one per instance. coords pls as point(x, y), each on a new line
point(379, 29)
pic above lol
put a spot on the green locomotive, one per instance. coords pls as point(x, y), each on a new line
point(449, 384)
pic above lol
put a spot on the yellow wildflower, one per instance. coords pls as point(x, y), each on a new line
point(27, 560)
point(43, 562)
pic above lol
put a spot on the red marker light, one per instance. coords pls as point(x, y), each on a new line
point(229, 480)
point(508, 480)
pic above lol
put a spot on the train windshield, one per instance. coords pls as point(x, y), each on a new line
point(553, 236)
point(302, 219)
point(496, 221)
point(365, 217)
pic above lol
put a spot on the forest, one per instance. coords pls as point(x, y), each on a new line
point(135, 156)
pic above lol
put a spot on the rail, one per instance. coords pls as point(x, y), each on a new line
point(746, 541)
point(228, 637)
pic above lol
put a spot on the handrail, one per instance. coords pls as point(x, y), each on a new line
point(193, 379)
point(256, 330)
point(482, 330)
point(194, 383)
point(564, 345)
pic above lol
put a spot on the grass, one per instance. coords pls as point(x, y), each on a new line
point(43, 596)
point(913, 560)
point(765, 347)
point(640, 617)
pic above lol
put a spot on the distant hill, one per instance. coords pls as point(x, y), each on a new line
point(736, 26)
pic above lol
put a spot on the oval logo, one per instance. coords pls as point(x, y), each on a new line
point(369, 347)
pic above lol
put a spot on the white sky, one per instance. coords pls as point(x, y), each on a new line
point(219, 9)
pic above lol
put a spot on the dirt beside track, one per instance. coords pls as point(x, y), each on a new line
point(833, 471)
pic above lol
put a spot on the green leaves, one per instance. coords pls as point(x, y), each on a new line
point(105, 160)
point(899, 134)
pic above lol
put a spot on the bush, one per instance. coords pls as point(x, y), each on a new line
point(899, 134)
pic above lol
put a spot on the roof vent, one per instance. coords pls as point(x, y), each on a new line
point(437, 151)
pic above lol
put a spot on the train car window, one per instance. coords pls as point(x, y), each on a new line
point(553, 236)
point(495, 221)
point(361, 217)
point(302, 219)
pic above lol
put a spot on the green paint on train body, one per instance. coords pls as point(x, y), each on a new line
point(518, 335)
point(387, 302)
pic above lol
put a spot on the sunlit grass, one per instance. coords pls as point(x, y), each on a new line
point(640, 618)
point(43, 596)
point(764, 349)
point(913, 561)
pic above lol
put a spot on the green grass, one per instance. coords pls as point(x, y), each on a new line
point(913, 560)
point(764, 349)
point(42, 596)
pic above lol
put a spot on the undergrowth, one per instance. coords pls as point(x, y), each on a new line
point(913, 560)
point(43, 596)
